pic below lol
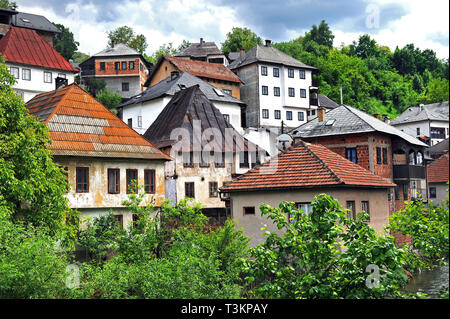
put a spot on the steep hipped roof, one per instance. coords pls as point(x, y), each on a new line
point(348, 120)
point(119, 49)
point(437, 171)
point(25, 46)
point(197, 68)
point(169, 87)
point(326, 102)
point(430, 112)
point(182, 112)
point(263, 53)
point(34, 21)
point(201, 49)
point(79, 125)
point(439, 148)
point(306, 165)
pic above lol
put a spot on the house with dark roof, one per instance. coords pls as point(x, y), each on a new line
point(429, 122)
point(207, 151)
point(34, 63)
point(101, 154)
point(215, 74)
point(439, 149)
point(437, 178)
point(299, 174)
point(141, 110)
point(374, 145)
point(124, 69)
point(203, 51)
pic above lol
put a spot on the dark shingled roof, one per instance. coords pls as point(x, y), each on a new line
point(326, 102)
point(348, 120)
point(34, 21)
point(184, 108)
point(439, 148)
point(262, 53)
point(430, 112)
point(199, 50)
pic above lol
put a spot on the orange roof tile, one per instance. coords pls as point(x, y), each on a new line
point(437, 171)
point(306, 165)
point(79, 125)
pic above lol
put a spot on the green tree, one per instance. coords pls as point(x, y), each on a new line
point(321, 34)
point(240, 38)
point(109, 99)
point(8, 4)
point(366, 47)
point(183, 45)
point(65, 43)
point(436, 90)
point(127, 36)
point(79, 57)
point(94, 85)
point(418, 83)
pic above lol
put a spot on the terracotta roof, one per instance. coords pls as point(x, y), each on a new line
point(306, 165)
point(79, 125)
point(199, 68)
point(437, 171)
point(25, 46)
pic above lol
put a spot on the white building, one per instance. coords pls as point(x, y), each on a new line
point(33, 62)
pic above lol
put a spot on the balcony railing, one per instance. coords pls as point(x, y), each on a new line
point(409, 171)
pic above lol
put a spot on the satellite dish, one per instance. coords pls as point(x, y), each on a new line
point(284, 141)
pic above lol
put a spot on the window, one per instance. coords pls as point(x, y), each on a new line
point(303, 93)
point(289, 115)
point(378, 155)
point(124, 65)
point(204, 159)
point(313, 112)
point(47, 77)
point(130, 123)
point(385, 155)
point(249, 210)
point(117, 66)
point(277, 114)
point(135, 220)
point(61, 75)
point(437, 132)
point(119, 220)
point(305, 207)
point(139, 121)
point(432, 192)
point(82, 176)
point(227, 117)
point(125, 86)
point(132, 177)
point(265, 113)
point(26, 74)
point(419, 158)
point(213, 189)
point(351, 154)
point(291, 92)
point(405, 191)
point(149, 181)
point(276, 91)
point(189, 189)
point(131, 65)
point(113, 180)
point(397, 192)
point(265, 90)
point(276, 72)
point(418, 131)
point(243, 158)
point(218, 92)
point(14, 71)
point(188, 159)
point(219, 159)
point(264, 70)
point(365, 207)
point(229, 92)
point(302, 74)
point(301, 116)
point(351, 208)
point(291, 73)
point(412, 158)
point(102, 66)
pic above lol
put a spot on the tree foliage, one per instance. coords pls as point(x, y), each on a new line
point(12, 5)
point(127, 36)
point(65, 43)
point(240, 38)
point(109, 99)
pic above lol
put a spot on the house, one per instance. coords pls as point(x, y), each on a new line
point(215, 74)
point(141, 110)
point(299, 174)
point(203, 51)
point(100, 153)
point(276, 87)
point(124, 69)
point(207, 151)
point(438, 149)
point(38, 23)
point(374, 145)
point(437, 177)
point(35, 64)
point(429, 121)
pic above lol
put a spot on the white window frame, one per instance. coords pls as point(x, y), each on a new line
point(14, 73)
point(45, 78)
point(23, 74)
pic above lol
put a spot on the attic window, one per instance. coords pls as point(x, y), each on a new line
point(218, 92)
point(25, 20)
point(330, 122)
point(181, 86)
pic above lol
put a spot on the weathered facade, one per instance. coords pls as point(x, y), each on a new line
point(101, 155)
point(438, 177)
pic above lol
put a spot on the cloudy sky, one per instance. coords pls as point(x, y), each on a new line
point(391, 23)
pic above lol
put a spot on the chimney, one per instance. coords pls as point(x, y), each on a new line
point(421, 106)
point(201, 41)
point(242, 54)
point(112, 43)
point(60, 83)
point(320, 114)
point(268, 43)
point(377, 116)
point(174, 75)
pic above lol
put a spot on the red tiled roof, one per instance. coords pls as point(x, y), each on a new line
point(437, 171)
point(79, 125)
point(25, 46)
point(204, 69)
point(306, 165)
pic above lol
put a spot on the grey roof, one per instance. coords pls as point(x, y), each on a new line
point(119, 49)
point(430, 112)
point(232, 56)
point(348, 120)
point(202, 49)
point(34, 21)
point(326, 102)
point(168, 87)
point(439, 148)
point(262, 53)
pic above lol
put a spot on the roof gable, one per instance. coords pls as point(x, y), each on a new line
point(200, 49)
point(430, 112)
point(35, 22)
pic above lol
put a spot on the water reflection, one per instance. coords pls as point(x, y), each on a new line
point(429, 282)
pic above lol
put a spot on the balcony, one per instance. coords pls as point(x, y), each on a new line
point(313, 101)
point(409, 172)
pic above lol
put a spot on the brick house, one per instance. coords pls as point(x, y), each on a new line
point(374, 145)
point(438, 176)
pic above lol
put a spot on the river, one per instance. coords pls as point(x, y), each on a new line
point(429, 282)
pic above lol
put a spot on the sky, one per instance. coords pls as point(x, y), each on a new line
point(391, 23)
